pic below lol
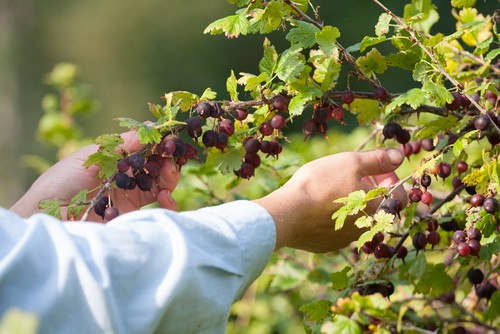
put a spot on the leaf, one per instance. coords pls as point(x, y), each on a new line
point(51, 207)
point(366, 110)
point(421, 14)
point(342, 324)
point(75, 207)
point(434, 127)
point(238, 3)
point(414, 268)
point(492, 54)
point(156, 110)
point(251, 81)
point(364, 221)
point(269, 60)
point(231, 26)
point(493, 311)
point(382, 26)
point(106, 160)
point(373, 62)
point(318, 310)
point(404, 59)
point(383, 224)
point(290, 64)
point(185, 100)
point(438, 92)
point(208, 94)
point(226, 162)
point(232, 87)
point(327, 39)
point(370, 41)
point(435, 281)
point(148, 134)
point(415, 97)
point(463, 3)
point(327, 69)
point(271, 18)
point(297, 103)
point(109, 142)
point(340, 279)
point(303, 34)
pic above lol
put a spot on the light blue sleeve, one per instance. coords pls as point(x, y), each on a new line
point(150, 271)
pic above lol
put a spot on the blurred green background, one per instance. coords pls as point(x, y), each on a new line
point(130, 53)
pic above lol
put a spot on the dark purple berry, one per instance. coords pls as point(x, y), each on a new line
point(444, 170)
point(490, 204)
point(136, 160)
point(463, 249)
point(427, 144)
point(415, 195)
point(204, 109)
point(476, 200)
point(347, 97)
point(475, 276)
point(462, 166)
point(122, 180)
point(122, 165)
point(380, 93)
point(482, 122)
point(209, 138)
point(277, 122)
point(111, 213)
point(144, 181)
point(240, 114)
point(279, 102)
point(252, 145)
point(459, 237)
point(266, 129)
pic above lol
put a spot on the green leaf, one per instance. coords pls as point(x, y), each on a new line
point(364, 222)
point(109, 142)
point(251, 81)
point(106, 160)
point(421, 14)
point(493, 312)
point(269, 60)
point(51, 207)
point(434, 127)
point(148, 134)
point(226, 162)
point(353, 203)
point(156, 110)
point(404, 59)
point(270, 18)
point(290, 64)
point(327, 69)
point(342, 324)
point(463, 3)
point(185, 100)
point(297, 103)
point(414, 268)
point(373, 62)
point(382, 26)
point(231, 26)
point(435, 281)
point(340, 279)
point(370, 41)
point(303, 34)
point(327, 39)
point(492, 54)
point(438, 92)
point(415, 97)
point(208, 94)
point(76, 206)
point(366, 110)
point(232, 86)
point(318, 310)
point(383, 224)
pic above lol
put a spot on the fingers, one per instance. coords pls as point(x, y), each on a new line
point(130, 141)
point(376, 162)
point(166, 201)
point(169, 175)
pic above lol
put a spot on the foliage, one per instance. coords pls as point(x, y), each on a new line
point(449, 117)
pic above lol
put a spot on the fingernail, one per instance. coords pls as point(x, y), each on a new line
point(174, 167)
point(169, 196)
point(395, 156)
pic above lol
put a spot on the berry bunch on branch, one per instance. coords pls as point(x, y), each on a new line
point(436, 259)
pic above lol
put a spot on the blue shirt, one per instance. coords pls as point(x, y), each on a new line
point(148, 271)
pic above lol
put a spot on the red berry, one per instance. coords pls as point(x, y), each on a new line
point(426, 198)
point(348, 97)
point(380, 93)
point(462, 166)
point(463, 249)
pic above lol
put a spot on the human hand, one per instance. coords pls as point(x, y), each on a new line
point(67, 177)
point(302, 208)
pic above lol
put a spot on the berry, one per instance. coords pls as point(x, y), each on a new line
point(253, 159)
point(432, 224)
point(449, 225)
point(402, 252)
point(277, 122)
point(426, 198)
point(490, 204)
point(209, 138)
point(444, 170)
point(347, 97)
point(276, 148)
point(459, 237)
point(266, 129)
point(132, 184)
point(382, 251)
point(415, 195)
point(390, 129)
point(181, 161)
point(222, 140)
point(101, 205)
point(485, 290)
point(111, 213)
point(180, 147)
point(338, 113)
point(136, 160)
point(463, 249)
point(462, 166)
point(416, 146)
point(464, 101)
point(427, 144)
point(122, 165)
point(193, 127)
point(419, 241)
point(144, 181)
point(216, 110)
point(252, 145)
point(226, 126)
point(246, 170)
point(380, 93)
point(425, 180)
point(309, 127)
point(474, 233)
point(476, 200)
point(433, 238)
point(191, 152)
point(406, 149)
point(204, 109)
point(394, 204)
point(475, 276)
point(122, 180)
point(167, 146)
point(403, 136)
point(320, 115)
point(482, 122)
point(279, 102)
point(240, 114)
point(266, 147)
point(456, 182)
point(152, 168)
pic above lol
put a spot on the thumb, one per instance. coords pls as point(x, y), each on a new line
point(166, 200)
point(379, 161)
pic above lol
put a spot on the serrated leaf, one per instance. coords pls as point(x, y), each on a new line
point(318, 310)
point(269, 60)
point(421, 14)
point(415, 97)
point(303, 34)
point(208, 94)
point(51, 207)
point(478, 176)
point(366, 110)
point(297, 103)
point(364, 222)
point(232, 86)
point(370, 41)
point(76, 206)
point(342, 324)
point(383, 224)
point(290, 64)
point(435, 282)
point(434, 127)
point(414, 268)
point(185, 100)
point(226, 162)
point(340, 279)
point(438, 92)
point(148, 135)
point(128, 122)
point(327, 39)
point(106, 160)
point(373, 62)
point(404, 59)
point(327, 69)
point(353, 203)
point(463, 3)
point(270, 18)
point(156, 110)
point(109, 141)
point(382, 26)
point(251, 81)
point(492, 54)
point(231, 26)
